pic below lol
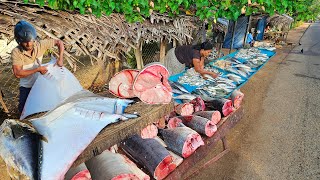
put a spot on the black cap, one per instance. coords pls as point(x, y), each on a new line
point(24, 32)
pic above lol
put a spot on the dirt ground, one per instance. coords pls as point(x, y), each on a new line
point(256, 90)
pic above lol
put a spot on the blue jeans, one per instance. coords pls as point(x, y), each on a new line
point(24, 92)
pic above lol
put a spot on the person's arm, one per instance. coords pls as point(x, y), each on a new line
point(19, 72)
point(200, 68)
point(60, 46)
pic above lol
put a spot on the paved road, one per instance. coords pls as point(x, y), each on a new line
point(279, 138)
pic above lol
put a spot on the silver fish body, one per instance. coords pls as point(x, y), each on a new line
point(20, 147)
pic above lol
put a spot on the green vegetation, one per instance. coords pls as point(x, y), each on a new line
point(138, 10)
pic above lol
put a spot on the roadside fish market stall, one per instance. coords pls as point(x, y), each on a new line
point(234, 71)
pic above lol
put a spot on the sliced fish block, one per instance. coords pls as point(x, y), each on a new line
point(108, 165)
point(78, 173)
point(214, 116)
point(224, 106)
point(198, 104)
point(151, 85)
point(151, 154)
point(199, 124)
point(182, 140)
point(150, 131)
point(237, 97)
point(134, 168)
point(174, 122)
point(121, 83)
point(184, 109)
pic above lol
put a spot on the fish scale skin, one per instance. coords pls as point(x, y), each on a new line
point(148, 152)
point(20, 153)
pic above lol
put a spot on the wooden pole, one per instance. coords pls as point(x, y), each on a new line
point(163, 45)
point(174, 43)
point(138, 55)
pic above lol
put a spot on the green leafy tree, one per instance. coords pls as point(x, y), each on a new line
point(138, 10)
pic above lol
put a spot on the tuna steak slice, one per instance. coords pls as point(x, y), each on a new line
point(110, 165)
point(214, 116)
point(182, 140)
point(150, 131)
point(121, 83)
point(150, 153)
point(184, 109)
point(78, 173)
point(174, 122)
point(198, 104)
point(224, 106)
point(237, 97)
point(151, 85)
point(200, 124)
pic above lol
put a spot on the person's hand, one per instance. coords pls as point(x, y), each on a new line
point(59, 63)
point(214, 75)
point(43, 69)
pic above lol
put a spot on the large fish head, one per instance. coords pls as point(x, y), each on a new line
point(19, 147)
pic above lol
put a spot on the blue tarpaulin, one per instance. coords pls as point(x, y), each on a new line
point(239, 34)
point(261, 25)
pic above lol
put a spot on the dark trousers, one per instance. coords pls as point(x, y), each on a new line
point(24, 92)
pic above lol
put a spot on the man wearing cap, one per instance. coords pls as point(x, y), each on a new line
point(27, 57)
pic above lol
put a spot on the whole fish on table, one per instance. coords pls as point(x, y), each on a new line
point(178, 86)
point(20, 148)
point(185, 97)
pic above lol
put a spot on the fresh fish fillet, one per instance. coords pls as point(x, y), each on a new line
point(151, 154)
point(108, 165)
point(184, 109)
point(214, 116)
point(199, 124)
point(182, 140)
point(237, 97)
point(20, 147)
point(121, 83)
point(224, 106)
point(150, 131)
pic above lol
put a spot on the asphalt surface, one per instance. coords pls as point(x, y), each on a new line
point(279, 137)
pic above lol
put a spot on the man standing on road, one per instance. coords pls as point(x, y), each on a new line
point(27, 57)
